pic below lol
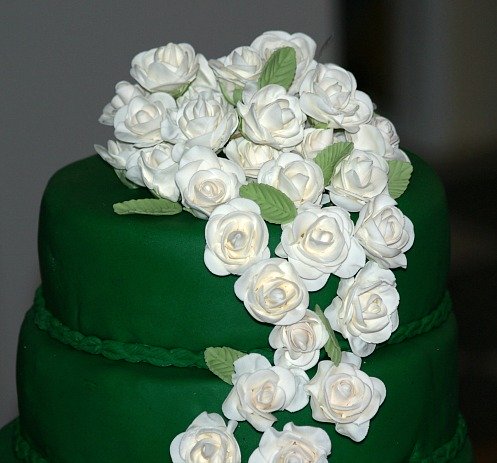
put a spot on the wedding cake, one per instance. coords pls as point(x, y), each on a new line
point(258, 274)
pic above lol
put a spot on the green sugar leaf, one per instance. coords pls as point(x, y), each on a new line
point(328, 158)
point(276, 207)
point(237, 95)
point(148, 206)
point(399, 174)
point(332, 347)
point(317, 124)
point(280, 68)
point(220, 361)
point(121, 175)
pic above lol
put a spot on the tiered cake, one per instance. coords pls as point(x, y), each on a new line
point(268, 302)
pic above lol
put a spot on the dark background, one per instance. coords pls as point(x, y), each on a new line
point(430, 66)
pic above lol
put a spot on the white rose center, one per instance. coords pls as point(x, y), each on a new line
point(277, 296)
point(236, 241)
point(211, 190)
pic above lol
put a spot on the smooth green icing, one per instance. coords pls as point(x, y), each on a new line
point(76, 407)
point(139, 279)
point(142, 279)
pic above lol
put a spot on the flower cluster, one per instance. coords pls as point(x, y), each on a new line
point(267, 114)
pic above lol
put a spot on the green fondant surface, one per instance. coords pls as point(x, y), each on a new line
point(142, 278)
point(78, 407)
point(7, 444)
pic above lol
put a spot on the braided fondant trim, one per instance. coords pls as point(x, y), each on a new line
point(449, 450)
point(180, 357)
point(23, 449)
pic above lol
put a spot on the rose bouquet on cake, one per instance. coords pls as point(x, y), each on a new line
point(267, 134)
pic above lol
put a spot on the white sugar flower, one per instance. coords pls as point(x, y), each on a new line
point(205, 79)
point(116, 153)
point(346, 396)
point(249, 156)
point(300, 179)
point(305, 48)
point(242, 65)
point(357, 179)
point(368, 138)
point(314, 141)
point(158, 170)
point(389, 134)
point(329, 94)
point(206, 181)
point(298, 345)
point(205, 120)
point(125, 92)
point(320, 242)
point(272, 117)
point(365, 309)
point(169, 69)
point(260, 389)
point(272, 292)
point(207, 439)
point(295, 444)
point(140, 120)
point(236, 237)
point(384, 232)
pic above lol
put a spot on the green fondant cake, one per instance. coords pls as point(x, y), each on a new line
point(290, 309)
point(138, 281)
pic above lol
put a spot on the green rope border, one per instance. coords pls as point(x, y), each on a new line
point(444, 454)
point(23, 449)
point(449, 450)
point(180, 357)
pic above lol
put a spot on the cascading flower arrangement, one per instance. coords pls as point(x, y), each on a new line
point(267, 134)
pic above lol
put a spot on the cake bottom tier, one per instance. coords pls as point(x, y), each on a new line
point(76, 407)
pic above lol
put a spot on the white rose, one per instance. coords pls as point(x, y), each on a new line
point(207, 439)
point(125, 92)
point(320, 242)
point(139, 121)
point(260, 389)
point(204, 81)
point(346, 396)
point(368, 138)
point(305, 48)
point(206, 181)
point(168, 69)
point(387, 130)
point(236, 237)
point(158, 171)
point(314, 141)
point(295, 444)
point(298, 345)
point(242, 65)
point(249, 156)
point(206, 120)
point(272, 292)
point(365, 309)
point(329, 94)
point(116, 153)
point(384, 232)
point(300, 179)
point(272, 117)
point(357, 179)
point(133, 171)
point(371, 138)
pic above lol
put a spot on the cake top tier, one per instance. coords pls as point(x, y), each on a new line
point(296, 180)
